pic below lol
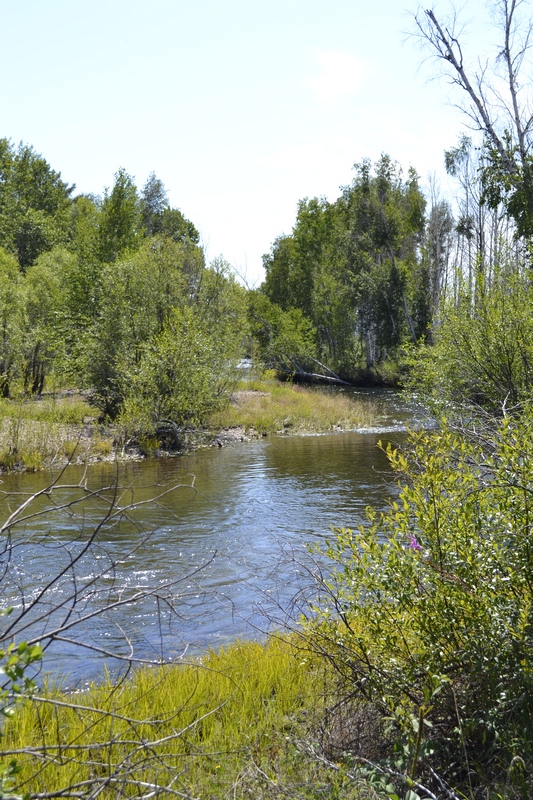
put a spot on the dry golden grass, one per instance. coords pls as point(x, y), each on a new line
point(270, 407)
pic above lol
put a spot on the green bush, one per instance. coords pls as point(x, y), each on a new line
point(429, 611)
point(483, 351)
point(183, 374)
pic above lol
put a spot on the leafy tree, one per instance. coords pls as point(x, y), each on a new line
point(11, 322)
point(352, 267)
point(120, 219)
point(84, 237)
point(137, 294)
point(483, 353)
point(44, 304)
point(159, 219)
point(34, 203)
point(153, 203)
point(176, 226)
point(284, 340)
point(184, 373)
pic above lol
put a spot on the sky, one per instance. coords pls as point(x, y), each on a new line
point(240, 107)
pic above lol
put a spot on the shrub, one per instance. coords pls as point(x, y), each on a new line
point(429, 612)
point(483, 352)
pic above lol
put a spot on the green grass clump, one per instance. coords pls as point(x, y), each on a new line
point(48, 430)
point(65, 410)
point(229, 724)
point(270, 407)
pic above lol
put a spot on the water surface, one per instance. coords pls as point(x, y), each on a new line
point(228, 549)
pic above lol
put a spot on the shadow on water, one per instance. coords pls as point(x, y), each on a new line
point(246, 524)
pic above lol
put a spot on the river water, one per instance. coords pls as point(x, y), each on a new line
point(222, 555)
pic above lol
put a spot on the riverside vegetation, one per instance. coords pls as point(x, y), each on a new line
point(63, 428)
point(409, 674)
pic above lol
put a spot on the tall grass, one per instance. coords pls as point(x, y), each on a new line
point(229, 725)
point(270, 407)
point(36, 432)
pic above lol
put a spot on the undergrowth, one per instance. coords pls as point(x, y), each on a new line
point(270, 407)
point(39, 432)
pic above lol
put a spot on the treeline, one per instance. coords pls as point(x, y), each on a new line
point(112, 295)
point(377, 271)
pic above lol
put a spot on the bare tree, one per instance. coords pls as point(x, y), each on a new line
point(64, 587)
point(497, 100)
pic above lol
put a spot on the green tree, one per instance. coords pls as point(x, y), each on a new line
point(11, 322)
point(153, 202)
point(138, 295)
point(159, 219)
point(34, 203)
point(184, 373)
point(283, 340)
point(483, 353)
point(120, 218)
point(353, 267)
point(44, 304)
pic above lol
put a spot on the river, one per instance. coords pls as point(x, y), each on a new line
point(227, 557)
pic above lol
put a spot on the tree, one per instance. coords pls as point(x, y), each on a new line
point(153, 202)
point(11, 322)
point(352, 267)
point(159, 219)
point(284, 340)
point(137, 294)
point(483, 353)
point(34, 203)
point(43, 302)
point(497, 103)
point(189, 368)
point(120, 218)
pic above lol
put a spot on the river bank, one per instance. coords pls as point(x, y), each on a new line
point(62, 428)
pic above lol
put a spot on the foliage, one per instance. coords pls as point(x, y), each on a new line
point(11, 321)
point(284, 340)
point(352, 267)
point(483, 353)
point(187, 369)
point(428, 614)
point(181, 376)
point(34, 203)
point(159, 219)
point(120, 218)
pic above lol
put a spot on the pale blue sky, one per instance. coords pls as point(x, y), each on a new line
point(241, 107)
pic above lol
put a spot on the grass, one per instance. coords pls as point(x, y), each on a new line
point(236, 724)
point(41, 432)
point(60, 409)
point(44, 431)
point(270, 407)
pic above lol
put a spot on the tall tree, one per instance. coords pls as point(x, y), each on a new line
point(153, 202)
point(120, 218)
point(34, 203)
point(497, 101)
point(159, 218)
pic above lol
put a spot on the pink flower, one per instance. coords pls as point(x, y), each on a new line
point(414, 543)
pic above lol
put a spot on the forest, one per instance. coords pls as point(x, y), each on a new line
point(409, 675)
